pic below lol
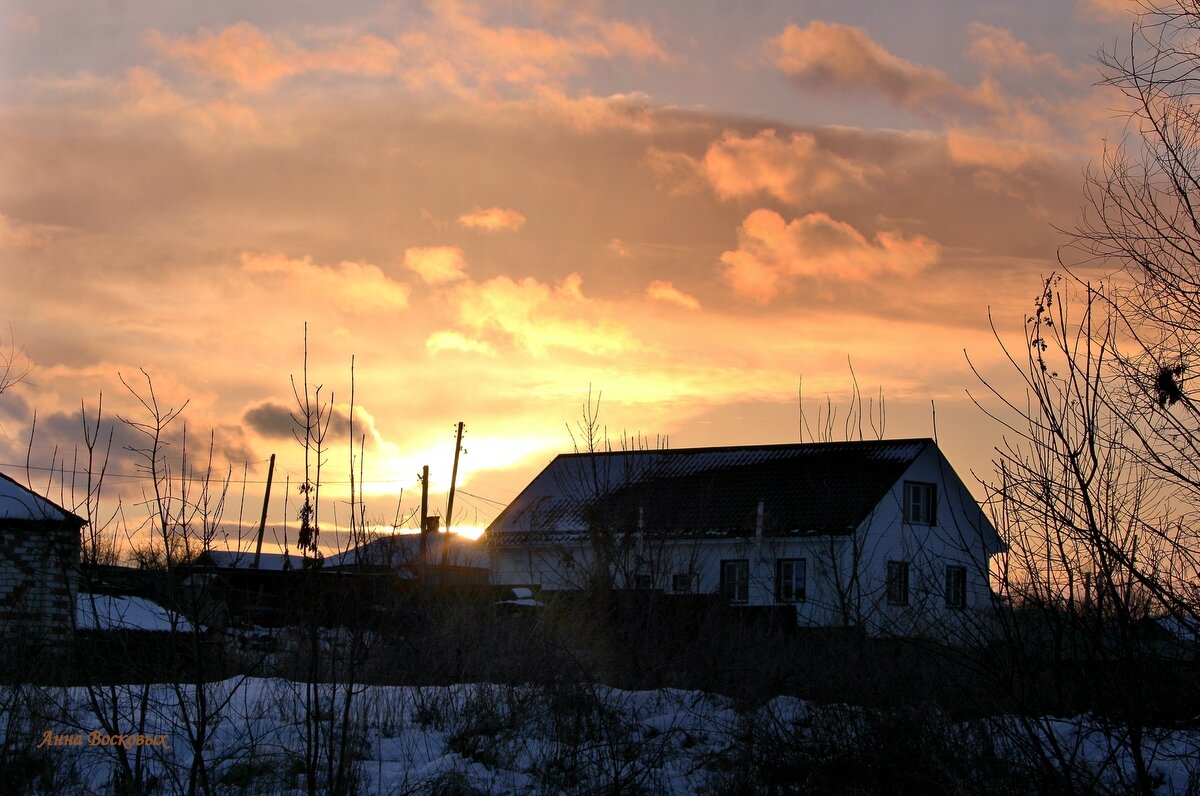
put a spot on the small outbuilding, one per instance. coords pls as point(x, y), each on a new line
point(39, 565)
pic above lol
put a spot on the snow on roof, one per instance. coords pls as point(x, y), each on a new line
point(20, 503)
point(244, 559)
point(523, 598)
point(398, 550)
point(111, 612)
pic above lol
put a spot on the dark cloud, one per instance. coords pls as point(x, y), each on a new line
point(276, 421)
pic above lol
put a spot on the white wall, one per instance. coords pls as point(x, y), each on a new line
point(834, 597)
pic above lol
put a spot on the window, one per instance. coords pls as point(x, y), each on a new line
point(683, 583)
point(643, 582)
point(920, 503)
point(791, 580)
point(956, 587)
point(735, 580)
point(897, 582)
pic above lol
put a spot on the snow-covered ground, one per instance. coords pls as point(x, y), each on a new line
point(567, 738)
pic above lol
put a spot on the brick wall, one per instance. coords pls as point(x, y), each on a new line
point(38, 573)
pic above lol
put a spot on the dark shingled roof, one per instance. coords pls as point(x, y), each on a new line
point(824, 488)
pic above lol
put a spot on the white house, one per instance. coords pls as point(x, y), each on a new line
point(879, 534)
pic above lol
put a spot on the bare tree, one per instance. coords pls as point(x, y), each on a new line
point(1098, 546)
point(1142, 228)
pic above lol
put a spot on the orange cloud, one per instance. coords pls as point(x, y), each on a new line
point(17, 235)
point(447, 340)
point(617, 247)
point(667, 293)
point(149, 95)
point(493, 219)
point(23, 22)
point(772, 253)
point(459, 50)
point(998, 48)
point(538, 317)
point(1109, 9)
point(347, 287)
point(246, 57)
point(436, 265)
point(677, 173)
point(829, 57)
point(982, 150)
point(791, 169)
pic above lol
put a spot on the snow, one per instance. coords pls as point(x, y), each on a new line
point(19, 503)
point(110, 612)
point(576, 737)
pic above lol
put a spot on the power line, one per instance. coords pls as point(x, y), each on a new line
point(148, 477)
point(462, 491)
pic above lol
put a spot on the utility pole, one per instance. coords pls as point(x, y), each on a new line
point(424, 543)
point(454, 478)
point(262, 524)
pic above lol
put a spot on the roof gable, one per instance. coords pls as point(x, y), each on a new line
point(20, 503)
point(804, 488)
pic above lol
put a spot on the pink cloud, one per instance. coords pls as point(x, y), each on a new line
point(772, 253)
point(667, 293)
point(492, 219)
point(244, 56)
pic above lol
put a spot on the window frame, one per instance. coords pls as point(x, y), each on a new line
point(797, 595)
point(927, 513)
point(736, 590)
point(897, 583)
point(956, 586)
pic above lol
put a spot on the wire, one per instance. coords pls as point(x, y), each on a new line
point(233, 479)
point(480, 497)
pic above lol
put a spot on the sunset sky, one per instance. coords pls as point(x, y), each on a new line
point(686, 206)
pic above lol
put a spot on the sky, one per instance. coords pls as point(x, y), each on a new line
point(694, 212)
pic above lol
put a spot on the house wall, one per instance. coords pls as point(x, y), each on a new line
point(961, 536)
point(38, 572)
point(846, 575)
point(566, 566)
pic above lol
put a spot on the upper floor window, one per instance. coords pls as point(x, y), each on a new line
point(920, 503)
point(956, 586)
point(897, 582)
point(735, 580)
point(791, 580)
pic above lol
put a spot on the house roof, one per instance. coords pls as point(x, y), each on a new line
point(395, 551)
point(244, 559)
point(824, 488)
point(20, 503)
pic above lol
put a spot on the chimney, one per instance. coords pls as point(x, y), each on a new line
point(758, 520)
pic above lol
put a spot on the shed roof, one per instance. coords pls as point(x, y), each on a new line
point(804, 488)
